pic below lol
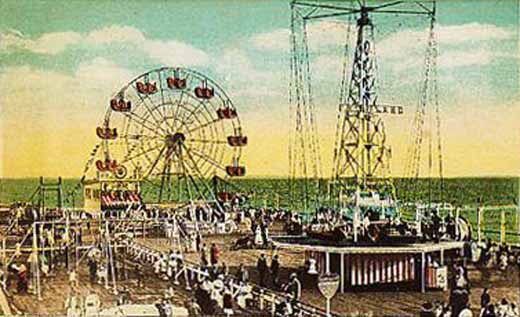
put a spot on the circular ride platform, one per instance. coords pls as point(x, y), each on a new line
point(369, 266)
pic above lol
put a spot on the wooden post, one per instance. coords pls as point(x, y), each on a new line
point(42, 197)
point(357, 221)
point(261, 299)
point(518, 219)
point(327, 262)
point(4, 259)
point(423, 273)
point(60, 193)
point(107, 254)
point(479, 224)
point(342, 272)
point(273, 303)
point(36, 263)
point(457, 215)
point(503, 226)
point(76, 250)
point(442, 256)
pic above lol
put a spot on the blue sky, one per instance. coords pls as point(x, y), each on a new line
point(61, 60)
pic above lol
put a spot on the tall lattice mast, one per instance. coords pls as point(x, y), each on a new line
point(361, 153)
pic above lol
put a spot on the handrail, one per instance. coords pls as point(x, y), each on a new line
point(263, 294)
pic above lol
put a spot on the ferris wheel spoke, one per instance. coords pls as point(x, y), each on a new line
point(206, 141)
point(142, 122)
point(204, 157)
point(156, 161)
point(142, 153)
point(166, 117)
point(189, 177)
point(141, 136)
point(176, 113)
point(199, 107)
point(183, 121)
point(204, 106)
point(143, 102)
point(208, 189)
point(204, 125)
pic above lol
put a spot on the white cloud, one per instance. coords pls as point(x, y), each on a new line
point(451, 38)
point(49, 43)
point(235, 67)
point(471, 32)
point(465, 58)
point(114, 34)
point(49, 118)
point(166, 52)
point(277, 40)
point(320, 34)
point(103, 74)
point(410, 40)
point(55, 95)
point(175, 53)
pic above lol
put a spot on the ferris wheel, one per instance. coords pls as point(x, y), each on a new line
point(174, 128)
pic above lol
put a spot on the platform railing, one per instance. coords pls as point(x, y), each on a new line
point(265, 299)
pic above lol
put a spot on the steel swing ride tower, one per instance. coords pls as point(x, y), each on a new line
point(361, 155)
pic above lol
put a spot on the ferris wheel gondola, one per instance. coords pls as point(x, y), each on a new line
point(171, 125)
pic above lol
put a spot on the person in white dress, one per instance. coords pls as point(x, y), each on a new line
point(466, 312)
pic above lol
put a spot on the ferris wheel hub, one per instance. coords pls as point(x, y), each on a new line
point(175, 140)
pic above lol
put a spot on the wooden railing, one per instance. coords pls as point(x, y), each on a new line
point(265, 299)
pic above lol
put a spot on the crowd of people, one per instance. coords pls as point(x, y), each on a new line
point(459, 300)
point(488, 254)
point(215, 288)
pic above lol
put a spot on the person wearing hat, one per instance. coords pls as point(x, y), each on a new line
point(214, 254)
point(92, 270)
point(227, 300)
point(194, 308)
point(243, 274)
point(138, 276)
point(261, 266)
point(275, 268)
point(294, 287)
point(427, 310)
point(217, 293)
point(23, 283)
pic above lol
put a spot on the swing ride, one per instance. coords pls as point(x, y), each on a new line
point(360, 186)
point(362, 218)
point(170, 130)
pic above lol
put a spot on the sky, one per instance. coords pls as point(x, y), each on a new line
point(61, 61)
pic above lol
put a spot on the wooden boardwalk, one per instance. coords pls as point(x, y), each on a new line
point(380, 303)
point(398, 303)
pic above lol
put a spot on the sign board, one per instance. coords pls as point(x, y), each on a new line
point(328, 285)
